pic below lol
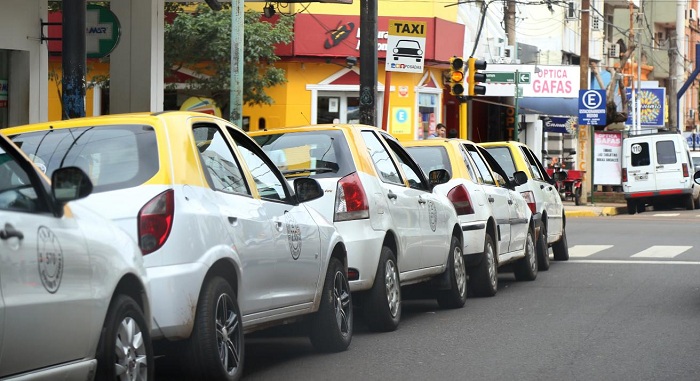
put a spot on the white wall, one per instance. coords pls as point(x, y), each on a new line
point(28, 82)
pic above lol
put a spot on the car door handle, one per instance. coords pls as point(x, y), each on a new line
point(392, 195)
point(510, 202)
point(541, 186)
point(491, 199)
point(9, 231)
point(232, 220)
point(279, 225)
point(420, 200)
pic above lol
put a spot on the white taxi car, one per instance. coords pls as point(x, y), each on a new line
point(74, 298)
point(496, 221)
point(397, 231)
point(229, 247)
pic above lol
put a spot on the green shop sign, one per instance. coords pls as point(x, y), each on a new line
point(102, 31)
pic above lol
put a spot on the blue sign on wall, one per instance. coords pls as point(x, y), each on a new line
point(653, 103)
point(591, 107)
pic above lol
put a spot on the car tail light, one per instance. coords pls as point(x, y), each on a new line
point(530, 199)
point(353, 274)
point(686, 173)
point(155, 220)
point(624, 175)
point(459, 196)
point(350, 199)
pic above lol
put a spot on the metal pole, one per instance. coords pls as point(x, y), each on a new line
point(73, 59)
point(368, 62)
point(516, 123)
point(583, 85)
point(237, 60)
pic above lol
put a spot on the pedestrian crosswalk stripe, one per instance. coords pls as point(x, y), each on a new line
point(629, 261)
point(666, 214)
point(580, 251)
point(661, 252)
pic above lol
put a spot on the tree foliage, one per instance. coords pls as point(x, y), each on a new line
point(201, 41)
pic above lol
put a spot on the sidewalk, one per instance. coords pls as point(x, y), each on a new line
point(594, 210)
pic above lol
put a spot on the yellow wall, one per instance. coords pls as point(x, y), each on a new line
point(403, 8)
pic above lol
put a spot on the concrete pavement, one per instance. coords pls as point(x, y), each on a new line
point(594, 210)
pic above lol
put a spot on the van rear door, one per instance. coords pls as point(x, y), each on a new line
point(641, 171)
point(669, 163)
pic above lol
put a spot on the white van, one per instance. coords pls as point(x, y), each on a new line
point(656, 169)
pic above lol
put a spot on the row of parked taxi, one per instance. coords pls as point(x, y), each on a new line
point(181, 229)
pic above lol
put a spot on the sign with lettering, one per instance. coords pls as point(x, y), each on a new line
point(102, 31)
point(607, 152)
point(652, 107)
point(536, 81)
point(406, 46)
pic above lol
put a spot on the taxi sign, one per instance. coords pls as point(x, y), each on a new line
point(406, 46)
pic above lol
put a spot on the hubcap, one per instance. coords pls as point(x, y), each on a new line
point(130, 349)
point(341, 302)
point(491, 265)
point(391, 282)
point(228, 337)
point(460, 274)
point(530, 253)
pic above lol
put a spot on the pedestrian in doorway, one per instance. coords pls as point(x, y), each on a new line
point(440, 132)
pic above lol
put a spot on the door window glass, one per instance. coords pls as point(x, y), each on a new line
point(640, 154)
point(481, 166)
point(222, 171)
point(382, 160)
point(269, 181)
point(532, 164)
point(665, 152)
point(414, 174)
point(16, 190)
point(504, 158)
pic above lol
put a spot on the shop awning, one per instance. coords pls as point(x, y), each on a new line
point(549, 106)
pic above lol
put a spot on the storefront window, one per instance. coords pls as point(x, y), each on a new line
point(428, 110)
point(338, 107)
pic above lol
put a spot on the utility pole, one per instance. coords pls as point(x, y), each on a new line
point(585, 133)
point(368, 62)
point(73, 58)
point(509, 22)
point(679, 78)
point(237, 60)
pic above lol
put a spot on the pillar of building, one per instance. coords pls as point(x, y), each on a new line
point(136, 64)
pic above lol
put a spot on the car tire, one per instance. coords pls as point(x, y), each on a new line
point(690, 202)
point(542, 250)
point(697, 202)
point(631, 207)
point(126, 332)
point(483, 279)
point(456, 295)
point(331, 329)
point(525, 269)
point(560, 248)
point(382, 304)
point(577, 196)
point(217, 308)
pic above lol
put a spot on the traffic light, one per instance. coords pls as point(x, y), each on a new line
point(456, 76)
point(476, 77)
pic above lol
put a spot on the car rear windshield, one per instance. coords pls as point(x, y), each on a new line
point(319, 154)
point(503, 157)
point(115, 157)
point(431, 158)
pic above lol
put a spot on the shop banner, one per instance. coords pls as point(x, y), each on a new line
point(653, 103)
point(562, 125)
point(608, 153)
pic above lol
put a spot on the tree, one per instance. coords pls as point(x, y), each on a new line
point(201, 42)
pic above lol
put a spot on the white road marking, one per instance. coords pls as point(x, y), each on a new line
point(666, 214)
point(661, 252)
point(580, 251)
point(622, 261)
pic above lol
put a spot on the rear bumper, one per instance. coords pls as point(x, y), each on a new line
point(658, 193)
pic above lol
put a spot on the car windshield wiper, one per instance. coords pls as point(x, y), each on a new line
point(304, 170)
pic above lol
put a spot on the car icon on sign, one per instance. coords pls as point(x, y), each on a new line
point(408, 48)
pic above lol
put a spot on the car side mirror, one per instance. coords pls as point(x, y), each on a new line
point(520, 178)
point(70, 183)
point(307, 189)
point(438, 176)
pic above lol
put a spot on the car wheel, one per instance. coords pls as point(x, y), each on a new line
point(483, 279)
point(561, 248)
point(456, 296)
point(542, 250)
point(331, 330)
point(577, 196)
point(631, 207)
point(697, 203)
point(125, 351)
point(526, 268)
point(382, 306)
point(216, 346)
point(690, 202)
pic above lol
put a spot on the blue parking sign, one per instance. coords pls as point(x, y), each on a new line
point(591, 107)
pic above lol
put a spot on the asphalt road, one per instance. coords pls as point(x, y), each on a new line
point(606, 314)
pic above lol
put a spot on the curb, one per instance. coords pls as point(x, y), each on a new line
point(606, 211)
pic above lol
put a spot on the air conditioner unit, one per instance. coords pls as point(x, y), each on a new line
point(692, 14)
point(596, 24)
point(571, 11)
point(614, 51)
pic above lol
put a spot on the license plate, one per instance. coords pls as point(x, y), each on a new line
point(641, 177)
